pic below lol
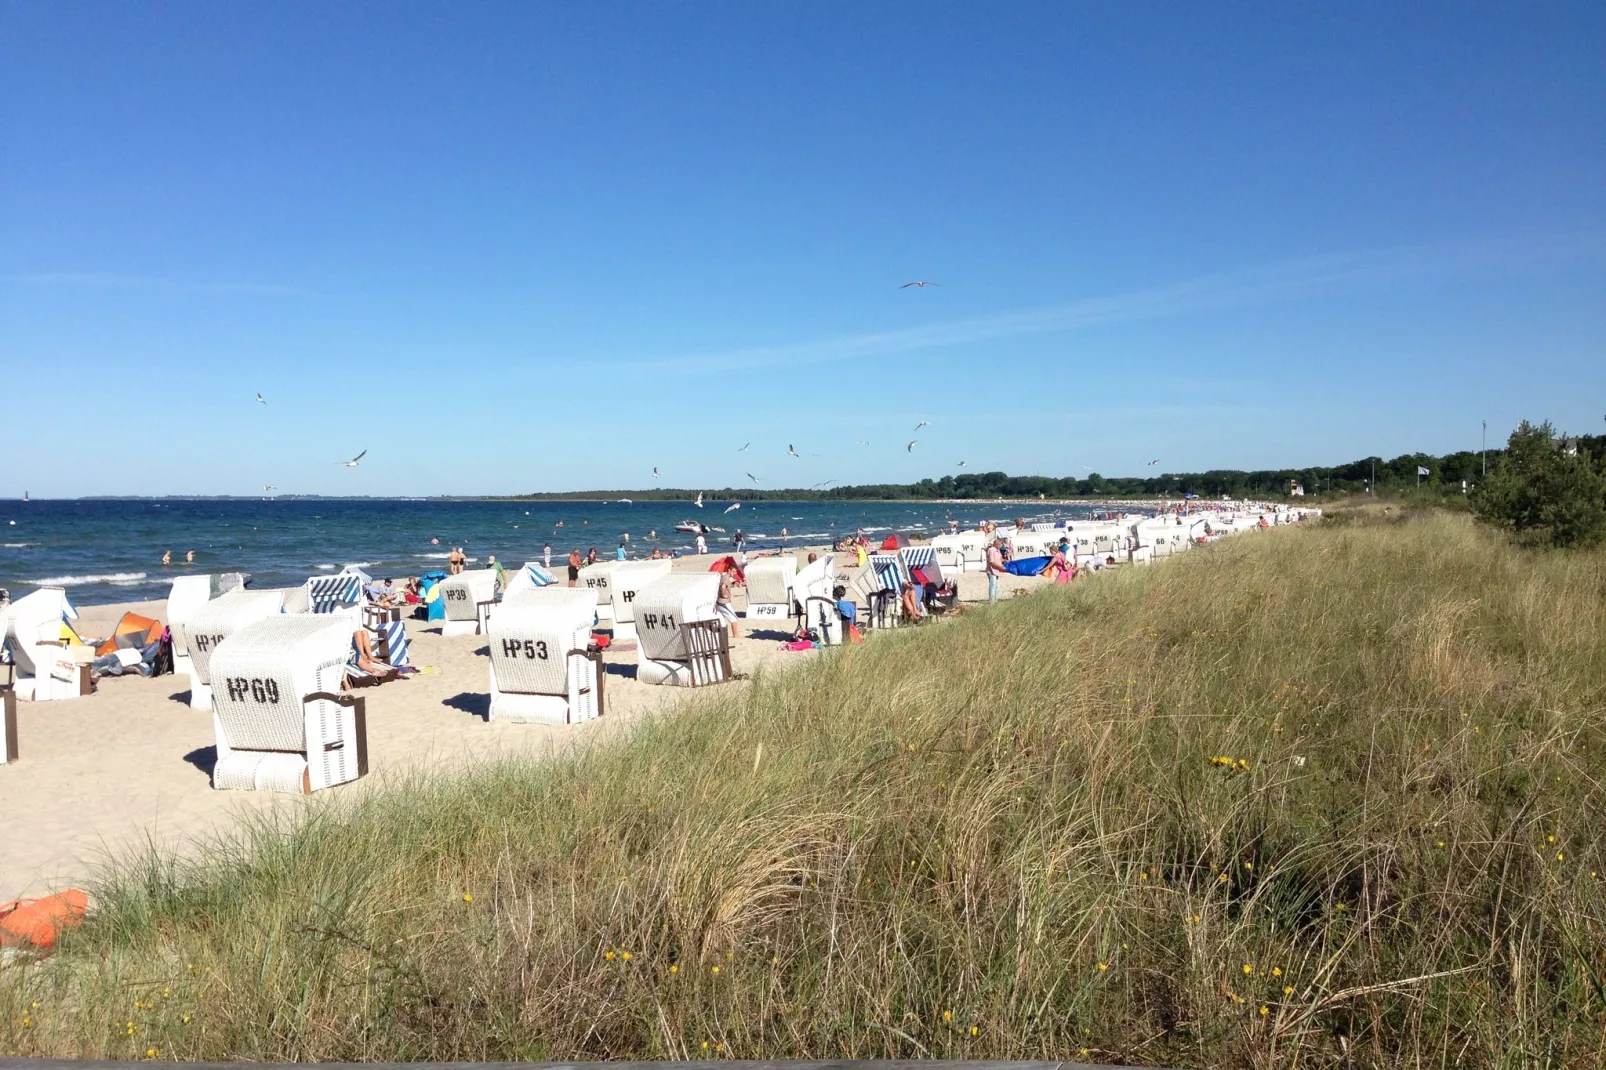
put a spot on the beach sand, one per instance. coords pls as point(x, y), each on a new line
point(105, 774)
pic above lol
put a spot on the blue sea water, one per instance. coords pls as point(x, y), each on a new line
point(111, 551)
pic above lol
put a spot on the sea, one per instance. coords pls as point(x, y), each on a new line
point(110, 550)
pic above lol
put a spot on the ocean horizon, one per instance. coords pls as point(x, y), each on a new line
point(105, 550)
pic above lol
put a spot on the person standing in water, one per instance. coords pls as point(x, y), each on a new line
point(167, 557)
point(189, 558)
point(546, 556)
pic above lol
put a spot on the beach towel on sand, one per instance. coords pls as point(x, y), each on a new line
point(37, 921)
point(1027, 566)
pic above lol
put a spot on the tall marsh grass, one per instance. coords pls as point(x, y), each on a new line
point(1307, 798)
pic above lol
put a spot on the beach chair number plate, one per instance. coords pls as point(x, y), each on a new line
point(260, 690)
point(766, 611)
point(456, 594)
point(535, 649)
point(207, 642)
point(657, 620)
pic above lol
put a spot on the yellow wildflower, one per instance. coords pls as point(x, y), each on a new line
point(467, 898)
point(1248, 969)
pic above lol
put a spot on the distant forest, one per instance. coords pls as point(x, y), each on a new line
point(1445, 475)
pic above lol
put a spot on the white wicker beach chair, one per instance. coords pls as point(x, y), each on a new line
point(188, 594)
point(469, 598)
point(596, 578)
point(281, 720)
point(8, 725)
point(542, 668)
point(769, 588)
point(814, 601)
point(623, 583)
point(45, 669)
point(681, 638)
point(214, 622)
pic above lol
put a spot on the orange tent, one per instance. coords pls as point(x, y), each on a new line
point(133, 632)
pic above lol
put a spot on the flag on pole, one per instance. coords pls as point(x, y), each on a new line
point(1422, 471)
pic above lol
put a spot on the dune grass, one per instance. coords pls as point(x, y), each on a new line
point(1314, 797)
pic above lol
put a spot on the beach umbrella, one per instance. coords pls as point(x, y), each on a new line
point(896, 541)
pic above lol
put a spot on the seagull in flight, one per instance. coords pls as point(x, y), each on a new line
point(827, 483)
point(863, 442)
point(793, 451)
point(655, 474)
point(962, 464)
point(355, 460)
point(1155, 461)
point(268, 488)
point(921, 283)
point(261, 400)
point(911, 446)
point(744, 448)
point(922, 423)
point(699, 501)
point(733, 507)
point(752, 477)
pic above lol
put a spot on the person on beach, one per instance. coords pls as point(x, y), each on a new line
point(496, 566)
point(456, 560)
point(995, 568)
point(189, 558)
point(574, 567)
point(591, 556)
point(725, 607)
point(546, 556)
point(911, 604)
point(620, 553)
point(167, 557)
point(702, 544)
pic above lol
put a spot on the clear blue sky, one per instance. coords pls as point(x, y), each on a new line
point(509, 247)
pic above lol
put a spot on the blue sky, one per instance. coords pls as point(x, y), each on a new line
point(537, 247)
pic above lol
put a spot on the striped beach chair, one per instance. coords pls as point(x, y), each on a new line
point(330, 594)
point(543, 670)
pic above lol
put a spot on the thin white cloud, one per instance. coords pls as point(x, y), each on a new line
point(112, 279)
point(1285, 281)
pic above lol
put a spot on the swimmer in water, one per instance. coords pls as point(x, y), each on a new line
point(167, 557)
point(189, 558)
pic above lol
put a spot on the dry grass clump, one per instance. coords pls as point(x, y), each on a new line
point(1314, 797)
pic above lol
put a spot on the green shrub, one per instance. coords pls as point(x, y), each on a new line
point(1545, 490)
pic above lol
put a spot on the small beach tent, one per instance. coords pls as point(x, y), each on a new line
point(133, 632)
point(894, 542)
point(214, 622)
point(728, 564)
point(429, 586)
point(280, 720)
point(469, 597)
point(769, 587)
point(542, 669)
point(625, 581)
point(40, 638)
point(681, 639)
point(1026, 566)
point(529, 577)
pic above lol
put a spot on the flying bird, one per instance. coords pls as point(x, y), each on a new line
point(863, 442)
point(268, 488)
point(355, 460)
point(752, 477)
point(744, 448)
point(922, 423)
point(792, 451)
point(261, 400)
point(655, 474)
point(961, 464)
point(699, 501)
point(1155, 461)
point(733, 506)
point(911, 446)
point(827, 483)
point(921, 283)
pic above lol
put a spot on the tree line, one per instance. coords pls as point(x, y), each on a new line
point(1445, 475)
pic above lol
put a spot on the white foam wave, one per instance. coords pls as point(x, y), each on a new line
point(326, 568)
point(433, 557)
point(121, 579)
point(18, 545)
point(362, 564)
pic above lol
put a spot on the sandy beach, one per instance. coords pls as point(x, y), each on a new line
point(104, 774)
